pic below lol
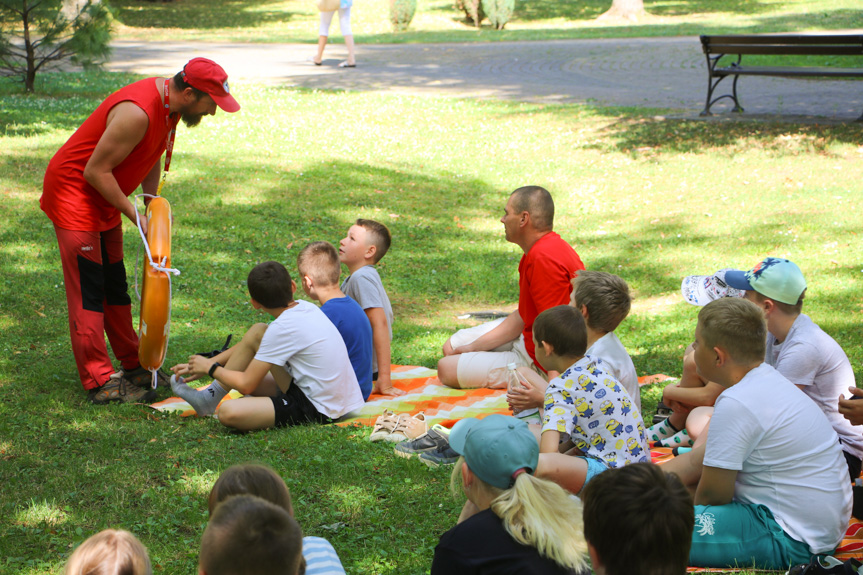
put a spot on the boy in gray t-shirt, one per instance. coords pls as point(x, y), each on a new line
point(366, 243)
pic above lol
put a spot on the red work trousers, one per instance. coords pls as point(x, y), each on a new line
point(97, 296)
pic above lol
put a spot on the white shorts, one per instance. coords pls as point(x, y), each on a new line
point(488, 368)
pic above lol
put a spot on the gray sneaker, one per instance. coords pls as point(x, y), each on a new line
point(428, 441)
point(444, 455)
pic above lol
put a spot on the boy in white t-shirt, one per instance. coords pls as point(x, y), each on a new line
point(294, 370)
point(604, 301)
point(771, 484)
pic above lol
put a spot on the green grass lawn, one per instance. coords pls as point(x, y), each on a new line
point(648, 198)
point(439, 21)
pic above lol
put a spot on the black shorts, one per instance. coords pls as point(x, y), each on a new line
point(294, 408)
point(853, 465)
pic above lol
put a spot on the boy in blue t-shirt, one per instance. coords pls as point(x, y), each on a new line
point(319, 267)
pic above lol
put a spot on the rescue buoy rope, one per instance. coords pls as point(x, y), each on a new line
point(159, 267)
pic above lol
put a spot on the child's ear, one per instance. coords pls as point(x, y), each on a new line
point(293, 287)
point(547, 347)
point(255, 303)
point(584, 313)
point(371, 251)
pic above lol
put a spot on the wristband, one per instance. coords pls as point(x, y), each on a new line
point(213, 368)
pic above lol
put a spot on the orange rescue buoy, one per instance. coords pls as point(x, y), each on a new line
point(156, 291)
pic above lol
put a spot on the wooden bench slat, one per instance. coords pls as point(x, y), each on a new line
point(804, 39)
point(789, 71)
point(786, 50)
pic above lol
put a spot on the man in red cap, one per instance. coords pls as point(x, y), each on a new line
point(86, 189)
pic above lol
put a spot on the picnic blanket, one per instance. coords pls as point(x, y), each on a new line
point(424, 393)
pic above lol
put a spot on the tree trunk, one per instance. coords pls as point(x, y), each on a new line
point(30, 55)
point(632, 10)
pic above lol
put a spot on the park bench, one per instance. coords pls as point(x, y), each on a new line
point(717, 47)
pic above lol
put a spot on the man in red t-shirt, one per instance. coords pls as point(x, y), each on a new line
point(478, 356)
point(86, 189)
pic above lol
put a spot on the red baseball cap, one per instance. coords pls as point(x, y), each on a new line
point(207, 76)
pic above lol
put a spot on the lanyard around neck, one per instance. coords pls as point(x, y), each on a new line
point(172, 130)
point(169, 145)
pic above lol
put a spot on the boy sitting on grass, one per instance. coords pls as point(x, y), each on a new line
point(772, 486)
point(604, 301)
point(617, 507)
point(248, 535)
point(692, 391)
point(319, 267)
point(294, 370)
point(585, 402)
point(800, 350)
point(366, 243)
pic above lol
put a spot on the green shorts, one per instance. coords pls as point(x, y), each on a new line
point(741, 535)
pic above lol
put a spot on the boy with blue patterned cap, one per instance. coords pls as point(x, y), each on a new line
point(802, 351)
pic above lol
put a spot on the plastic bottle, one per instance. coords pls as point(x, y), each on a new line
point(516, 379)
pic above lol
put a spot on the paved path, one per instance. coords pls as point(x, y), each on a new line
point(651, 72)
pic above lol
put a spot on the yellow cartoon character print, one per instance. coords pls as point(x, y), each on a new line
point(585, 408)
point(606, 407)
point(586, 383)
point(626, 405)
point(614, 426)
point(567, 397)
point(633, 447)
point(611, 384)
point(597, 441)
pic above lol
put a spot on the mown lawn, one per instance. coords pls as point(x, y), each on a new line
point(648, 198)
point(439, 21)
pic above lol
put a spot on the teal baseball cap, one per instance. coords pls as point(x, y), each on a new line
point(775, 278)
point(496, 448)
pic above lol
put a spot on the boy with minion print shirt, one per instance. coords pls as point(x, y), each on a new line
point(586, 403)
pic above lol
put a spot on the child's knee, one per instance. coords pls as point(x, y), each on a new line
point(228, 415)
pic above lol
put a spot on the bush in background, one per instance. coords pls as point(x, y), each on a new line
point(498, 12)
point(401, 13)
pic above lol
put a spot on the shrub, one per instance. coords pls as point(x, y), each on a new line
point(498, 11)
point(401, 13)
point(473, 10)
point(36, 34)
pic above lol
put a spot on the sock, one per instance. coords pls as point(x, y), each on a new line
point(679, 439)
point(204, 400)
point(660, 430)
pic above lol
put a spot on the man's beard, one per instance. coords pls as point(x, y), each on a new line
point(191, 120)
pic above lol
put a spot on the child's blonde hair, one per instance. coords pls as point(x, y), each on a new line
point(537, 513)
point(736, 325)
point(110, 552)
point(320, 261)
point(606, 296)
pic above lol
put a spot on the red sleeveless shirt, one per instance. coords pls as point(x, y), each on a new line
point(72, 203)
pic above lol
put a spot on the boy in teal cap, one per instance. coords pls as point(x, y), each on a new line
point(802, 351)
